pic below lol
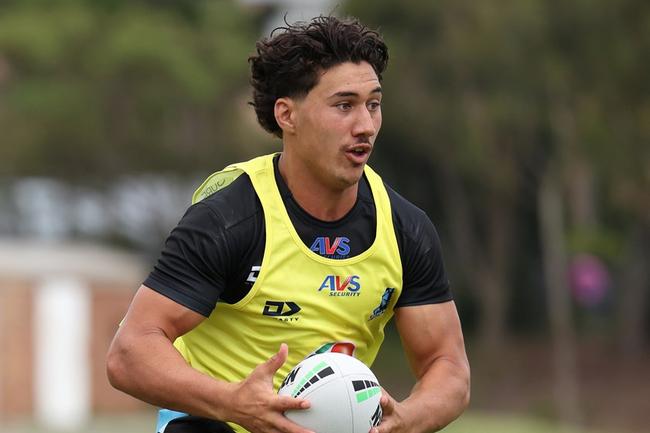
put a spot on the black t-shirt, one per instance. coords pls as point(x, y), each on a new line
point(215, 252)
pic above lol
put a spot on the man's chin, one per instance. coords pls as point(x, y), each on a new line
point(350, 179)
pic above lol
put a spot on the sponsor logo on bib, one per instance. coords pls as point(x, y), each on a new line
point(284, 311)
point(337, 249)
point(338, 285)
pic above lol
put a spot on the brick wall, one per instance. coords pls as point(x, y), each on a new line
point(111, 278)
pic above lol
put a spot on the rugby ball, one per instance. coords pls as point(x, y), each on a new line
point(343, 392)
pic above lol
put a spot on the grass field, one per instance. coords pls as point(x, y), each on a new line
point(473, 422)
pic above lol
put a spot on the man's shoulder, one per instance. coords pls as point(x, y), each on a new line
point(234, 203)
point(407, 217)
point(424, 277)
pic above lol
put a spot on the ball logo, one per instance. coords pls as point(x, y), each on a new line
point(291, 377)
point(375, 420)
point(341, 285)
point(320, 371)
point(337, 249)
point(364, 389)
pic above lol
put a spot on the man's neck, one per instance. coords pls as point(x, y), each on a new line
point(318, 199)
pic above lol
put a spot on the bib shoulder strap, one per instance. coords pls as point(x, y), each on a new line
point(228, 175)
point(378, 189)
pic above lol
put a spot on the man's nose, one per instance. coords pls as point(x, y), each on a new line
point(364, 124)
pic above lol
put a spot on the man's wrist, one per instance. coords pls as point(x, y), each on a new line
point(417, 417)
point(222, 401)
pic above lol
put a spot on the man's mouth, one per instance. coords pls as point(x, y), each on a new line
point(359, 148)
point(358, 153)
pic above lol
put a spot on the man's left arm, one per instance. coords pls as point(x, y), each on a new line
point(433, 341)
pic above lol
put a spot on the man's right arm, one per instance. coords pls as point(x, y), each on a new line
point(143, 362)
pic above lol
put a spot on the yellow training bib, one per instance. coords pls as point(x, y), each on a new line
point(299, 297)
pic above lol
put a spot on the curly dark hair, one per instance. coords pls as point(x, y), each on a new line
point(288, 63)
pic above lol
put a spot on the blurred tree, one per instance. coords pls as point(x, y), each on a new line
point(620, 132)
point(597, 83)
point(461, 94)
point(93, 92)
point(517, 102)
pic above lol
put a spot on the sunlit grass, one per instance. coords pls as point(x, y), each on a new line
point(471, 422)
point(479, 422)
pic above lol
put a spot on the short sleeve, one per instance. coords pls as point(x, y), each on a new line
point(424, 276)
point(192, 268)
point(424, 279)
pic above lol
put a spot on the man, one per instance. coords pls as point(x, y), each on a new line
point(307, 247)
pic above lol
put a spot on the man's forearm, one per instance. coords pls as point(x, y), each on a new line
point(439, 396)
point(149, 368)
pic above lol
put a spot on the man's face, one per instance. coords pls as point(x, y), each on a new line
point(337, 122)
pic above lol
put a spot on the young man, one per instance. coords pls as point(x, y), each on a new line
point(307, 247)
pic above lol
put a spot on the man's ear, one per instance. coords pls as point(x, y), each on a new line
point(285, 114)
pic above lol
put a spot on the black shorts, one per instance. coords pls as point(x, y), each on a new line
point(170, 421)
point(196, 424)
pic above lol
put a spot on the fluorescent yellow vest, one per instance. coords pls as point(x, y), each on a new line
point(299, 297)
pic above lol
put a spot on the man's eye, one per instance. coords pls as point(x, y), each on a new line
point(374, 106)
point(344, 106)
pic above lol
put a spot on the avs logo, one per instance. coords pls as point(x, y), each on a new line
point(341, 286)
point(338, 249)
point(383, 305)
point(281, 310)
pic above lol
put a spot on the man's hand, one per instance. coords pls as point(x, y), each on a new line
point(433, 342)
point(394, 418)
point(258, 408)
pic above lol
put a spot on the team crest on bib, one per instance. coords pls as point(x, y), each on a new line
point(383, 304)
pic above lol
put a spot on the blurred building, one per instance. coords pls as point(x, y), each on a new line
point(60, 305)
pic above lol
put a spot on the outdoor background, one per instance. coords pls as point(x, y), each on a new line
point(522, 128)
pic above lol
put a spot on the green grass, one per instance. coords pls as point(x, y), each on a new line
point(478, 422)
point(471, 422)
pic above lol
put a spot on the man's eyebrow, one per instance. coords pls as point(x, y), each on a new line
point(345, 94)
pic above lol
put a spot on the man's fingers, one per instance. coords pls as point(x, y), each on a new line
point(284, 403)
point(277, 360)
point(387, 403)
point(381, 428)
point(274, 363)
point(386, 425)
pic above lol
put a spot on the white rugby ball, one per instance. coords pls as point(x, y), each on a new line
point(344, 394)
